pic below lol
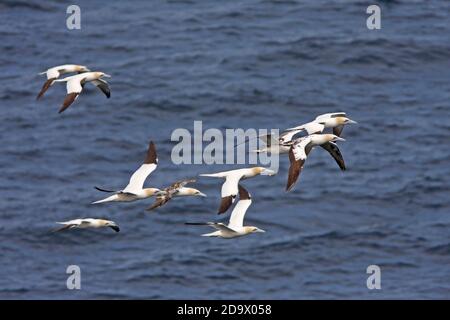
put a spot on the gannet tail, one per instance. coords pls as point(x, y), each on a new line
point(114, 197)
point(212, 234)
point(103, 190)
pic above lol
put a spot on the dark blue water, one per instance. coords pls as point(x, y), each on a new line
point(246, 64)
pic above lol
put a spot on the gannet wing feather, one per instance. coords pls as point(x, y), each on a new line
point(47, 84)
point(287, 135)
point(65, 227)
point(297, 157)
point(310, 128)
point(229, 192)
point(215, 225)
point(74, 88)
point(337, 131)
point(334, 151)
point(238, 213)
point(103, 86)
point(330, 115)
point(138, 178)
point(160, 201)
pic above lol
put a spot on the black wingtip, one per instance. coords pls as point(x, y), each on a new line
point(103, 190)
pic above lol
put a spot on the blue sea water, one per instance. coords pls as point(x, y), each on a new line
point(233, 64)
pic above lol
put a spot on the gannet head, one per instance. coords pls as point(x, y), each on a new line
point(344, 120)
point(252, 229)
point(333, 138)
point(264, 171)
point(82, 69)
point(150, 192)
point(99, 75)
point(194, 192)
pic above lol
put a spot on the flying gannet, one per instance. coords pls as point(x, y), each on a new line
point(300, 149)
point(134, 190)
point(88, 223)
point(235, 227)
point(232, 178)
point(55, 72)
point(177, 189)
point(336, 120)
point(76, 83)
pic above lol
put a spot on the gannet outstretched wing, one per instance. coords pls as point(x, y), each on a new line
point(238, 213)
point(334, 151)
point(140, 175)
point(297, 157)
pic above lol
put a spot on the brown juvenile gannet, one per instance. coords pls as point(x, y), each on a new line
point(177, 189)
point(88, 223)
point(336, 120)
point(235, 227)
point(232, 178)
point(300, 149)
point(54, 73)
point(135, 189)
point(76, 83)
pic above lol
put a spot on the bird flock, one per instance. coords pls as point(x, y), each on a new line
point(297, 142)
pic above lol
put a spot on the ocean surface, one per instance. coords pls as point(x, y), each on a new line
point(234, 64)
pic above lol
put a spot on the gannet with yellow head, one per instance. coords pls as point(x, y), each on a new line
point(300, 149)
point(76, 83)
point(88, 223)
point(235, 227)
point(55, 72)
point(135, 189)
point(336, 121)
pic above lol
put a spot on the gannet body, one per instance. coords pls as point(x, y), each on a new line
point(88, 223)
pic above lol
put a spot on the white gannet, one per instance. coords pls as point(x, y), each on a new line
point(54, 73)
point(335, 120)
point(134, 190)
point(300, 149)
point(177, 189)
point(76, 83)
point(235, 227)
point(88, 223)
point(230, 186)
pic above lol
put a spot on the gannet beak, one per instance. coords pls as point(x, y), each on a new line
point(351, 121)
point(339, 139)
point(268, 172)
point(201, 194)
point(106, 75)
point(115, 228)
point(260, 230)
